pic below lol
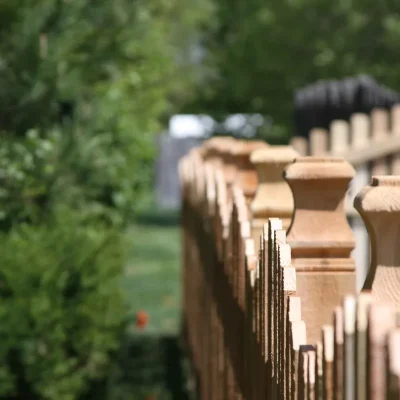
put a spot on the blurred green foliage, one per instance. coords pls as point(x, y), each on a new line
point(258, 52)
point(78, 169)
point(121, 66)
point(84, 89)
point(61, 307)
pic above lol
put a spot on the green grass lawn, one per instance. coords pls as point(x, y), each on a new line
point(152, 277)
point(151, 364)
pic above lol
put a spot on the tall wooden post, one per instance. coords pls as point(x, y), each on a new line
point(320, 237)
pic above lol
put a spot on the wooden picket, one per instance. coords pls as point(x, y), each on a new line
point(271, 309)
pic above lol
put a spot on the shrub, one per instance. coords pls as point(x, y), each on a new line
point(86, 172)
point(61, 307)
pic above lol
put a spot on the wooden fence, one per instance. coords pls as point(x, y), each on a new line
point(270, 304)
point(371, 143)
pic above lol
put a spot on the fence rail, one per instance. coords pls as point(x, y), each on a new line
point(270, 303)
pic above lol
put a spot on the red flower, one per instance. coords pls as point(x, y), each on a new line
point(142, 319)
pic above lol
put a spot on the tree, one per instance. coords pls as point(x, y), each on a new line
point(260, 52)
point(119, 68)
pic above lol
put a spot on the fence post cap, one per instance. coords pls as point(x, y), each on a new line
point(381, 195)
point(319, 226)
point(274, 155)
point(319, 168)
point(273, 197)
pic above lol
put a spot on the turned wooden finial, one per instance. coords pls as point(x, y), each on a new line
point(320, 236)
point(319, 227)
point(379, 206)
point(273, 197)
point(246, 178)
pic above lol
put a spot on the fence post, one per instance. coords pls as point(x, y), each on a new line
point(320, 237)
point(273, 197)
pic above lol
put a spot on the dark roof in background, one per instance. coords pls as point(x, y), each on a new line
point(318, 104)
